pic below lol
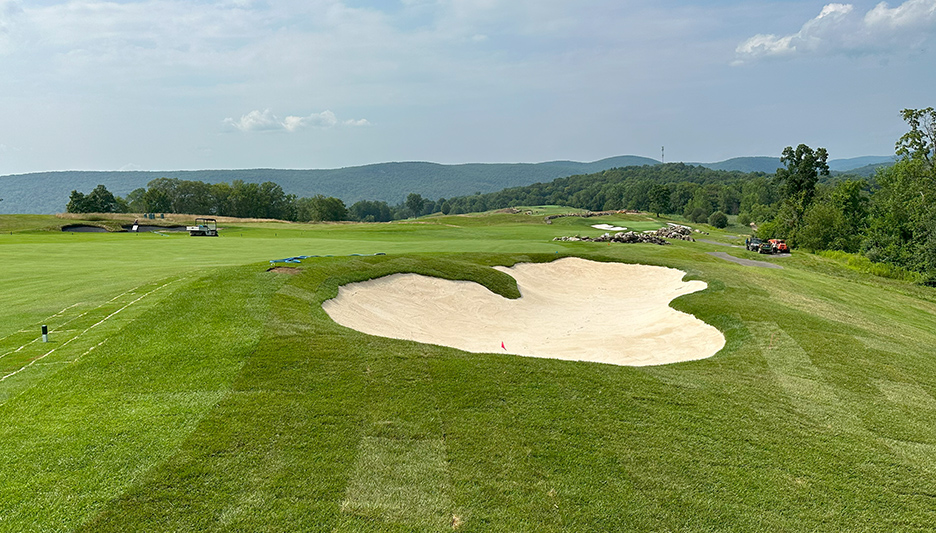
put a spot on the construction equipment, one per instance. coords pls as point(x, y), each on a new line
point(779, 246)
point(204, 227)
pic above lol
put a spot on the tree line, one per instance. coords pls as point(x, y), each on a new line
point(243, 200)
point(695, 192)
point(890, 219)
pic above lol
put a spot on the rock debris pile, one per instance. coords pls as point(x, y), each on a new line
point(683, 233)
point(626, 237)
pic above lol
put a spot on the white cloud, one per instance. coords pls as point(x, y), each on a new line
point(265, 120)
point(912, 14)
point(256, 121)
point(839, 29)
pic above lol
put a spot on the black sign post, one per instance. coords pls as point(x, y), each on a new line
point(45, 333)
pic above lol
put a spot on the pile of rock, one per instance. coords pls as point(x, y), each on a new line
point(674, 231)
point(622, 237)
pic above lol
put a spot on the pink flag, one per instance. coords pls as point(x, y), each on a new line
point(502, 345)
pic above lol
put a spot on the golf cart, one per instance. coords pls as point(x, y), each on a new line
point(204, 227)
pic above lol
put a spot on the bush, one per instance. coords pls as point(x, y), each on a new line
point(744, 219)
point(718, 219)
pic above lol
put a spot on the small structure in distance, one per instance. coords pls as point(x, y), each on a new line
point(204, 227)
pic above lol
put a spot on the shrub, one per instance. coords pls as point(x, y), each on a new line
point(718, 219)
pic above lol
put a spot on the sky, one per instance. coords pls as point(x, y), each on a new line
point(203, 84)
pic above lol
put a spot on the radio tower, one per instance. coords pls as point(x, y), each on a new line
point(663, 155)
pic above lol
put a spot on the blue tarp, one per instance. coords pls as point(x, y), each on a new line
point(299, 258)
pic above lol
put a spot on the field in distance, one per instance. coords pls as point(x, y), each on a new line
point(186, 387)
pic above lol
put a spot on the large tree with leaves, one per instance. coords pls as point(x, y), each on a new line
point(919, 144)
point(797, 182)
point(415, 203)
point(100, 200)
point(903, 216)
point(801, 172)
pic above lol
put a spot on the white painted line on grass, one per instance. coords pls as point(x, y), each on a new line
point(59, 330)
point(46, 319)
point(66, 343)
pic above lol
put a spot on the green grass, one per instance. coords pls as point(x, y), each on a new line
point(225, 399)
point(863, 264)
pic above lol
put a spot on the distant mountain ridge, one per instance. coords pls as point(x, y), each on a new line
point(47, 192)
point(863, 166)
point(767, 165)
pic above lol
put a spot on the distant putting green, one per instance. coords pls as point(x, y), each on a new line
point(186, 388)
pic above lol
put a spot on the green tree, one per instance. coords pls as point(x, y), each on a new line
point(836, 220)
point(134, 200)
point(659, 199)
point(415, 203)
point(370, 211)
point(102, 201)
point(801, 174)
point(76, 203)
point(797, 182)
point(99, 200)
point(246, 201)
point(700, 206)
point(193, 197)
point(328, 209)
point(902, 224)
point(920, 142)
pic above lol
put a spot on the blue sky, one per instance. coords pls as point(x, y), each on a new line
point(160, 84)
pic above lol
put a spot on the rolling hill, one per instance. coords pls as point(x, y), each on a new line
point(47, 192)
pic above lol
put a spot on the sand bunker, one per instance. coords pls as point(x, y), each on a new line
point(570, 309)
point(609, 227)
point(82, 228)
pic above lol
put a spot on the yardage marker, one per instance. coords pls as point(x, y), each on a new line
point(46, 319)
point(66, 343)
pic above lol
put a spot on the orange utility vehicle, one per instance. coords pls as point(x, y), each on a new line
point(779, 246)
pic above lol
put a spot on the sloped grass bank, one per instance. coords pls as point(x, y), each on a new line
point(817, 416)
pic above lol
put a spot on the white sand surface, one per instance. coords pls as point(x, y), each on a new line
point(609, 227)
point(570, 309)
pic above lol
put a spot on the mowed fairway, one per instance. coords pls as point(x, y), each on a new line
point(187, 389)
